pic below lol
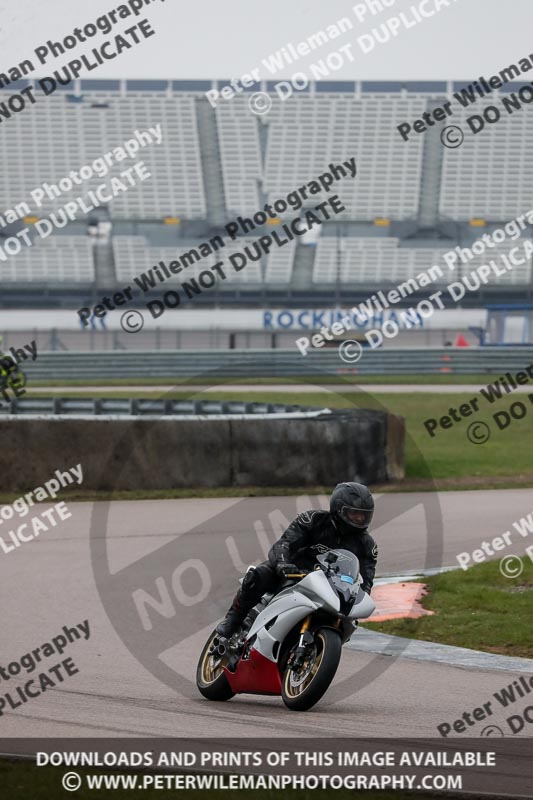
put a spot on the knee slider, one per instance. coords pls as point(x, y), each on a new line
point(249, 581)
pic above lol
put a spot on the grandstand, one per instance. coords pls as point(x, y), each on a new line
point(410, 203)
point(59, 135)
point(383, 260)
point(55, 260)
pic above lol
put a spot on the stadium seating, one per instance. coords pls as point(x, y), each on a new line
point(279, 265)
point(384, 261)
point(133, 256)
point(55, 260)
point(491, 174)
point(308, 133)
point(259, 159)
point(56, 136)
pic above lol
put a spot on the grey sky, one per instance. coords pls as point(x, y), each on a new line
point(208, 39)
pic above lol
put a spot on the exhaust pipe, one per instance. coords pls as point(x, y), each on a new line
point(218, 647)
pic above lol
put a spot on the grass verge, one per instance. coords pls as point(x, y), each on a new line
point(479, 609)
point(339, 380)
point(449, 454)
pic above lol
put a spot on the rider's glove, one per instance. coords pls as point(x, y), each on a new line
point(284, 568)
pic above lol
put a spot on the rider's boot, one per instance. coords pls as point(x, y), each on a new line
point(233, 619)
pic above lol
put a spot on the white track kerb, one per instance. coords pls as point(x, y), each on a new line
point(411, 317)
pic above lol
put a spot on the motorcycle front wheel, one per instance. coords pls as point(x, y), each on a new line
point(303, 687)
point(210, 678)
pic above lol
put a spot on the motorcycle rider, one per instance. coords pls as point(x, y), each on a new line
point(343, 526)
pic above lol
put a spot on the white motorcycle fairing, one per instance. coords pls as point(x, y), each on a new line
point(294, 603)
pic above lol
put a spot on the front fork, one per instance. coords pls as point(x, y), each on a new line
point(306, 639)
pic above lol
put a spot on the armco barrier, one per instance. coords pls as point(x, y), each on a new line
point(165, 453)
point(82, 407)
point(170, 364)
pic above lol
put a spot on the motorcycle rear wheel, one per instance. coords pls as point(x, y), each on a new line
point(210, 678)
point(301, 689)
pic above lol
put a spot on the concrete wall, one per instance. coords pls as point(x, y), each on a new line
point(142, 454)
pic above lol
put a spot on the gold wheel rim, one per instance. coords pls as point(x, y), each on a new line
point(296, 691)
point(211, 665)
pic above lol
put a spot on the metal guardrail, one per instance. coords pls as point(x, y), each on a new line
point(82, 407)
point(219, 364)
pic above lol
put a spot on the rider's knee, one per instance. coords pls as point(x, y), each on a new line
point(250, 580)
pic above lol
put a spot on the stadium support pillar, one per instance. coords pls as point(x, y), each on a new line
point(211, 164)
point(430, 175)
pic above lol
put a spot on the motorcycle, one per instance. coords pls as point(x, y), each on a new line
point(290, 643)
point(11, 376)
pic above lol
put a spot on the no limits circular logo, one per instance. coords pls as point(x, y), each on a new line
point(164, 604)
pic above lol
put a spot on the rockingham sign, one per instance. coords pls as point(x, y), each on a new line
point(499, 265)
point(327, 320)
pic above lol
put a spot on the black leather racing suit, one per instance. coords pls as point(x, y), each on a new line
point(306, 536)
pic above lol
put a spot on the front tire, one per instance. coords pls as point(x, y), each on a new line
point(210, 678)
point(303, 688)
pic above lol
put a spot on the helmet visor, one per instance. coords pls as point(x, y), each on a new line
point(357, 517)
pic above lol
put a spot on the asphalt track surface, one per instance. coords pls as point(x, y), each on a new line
point(49, 582)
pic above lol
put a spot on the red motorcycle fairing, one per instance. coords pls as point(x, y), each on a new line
point(255, 675)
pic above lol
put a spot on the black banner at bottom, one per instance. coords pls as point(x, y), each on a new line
point(489, 767)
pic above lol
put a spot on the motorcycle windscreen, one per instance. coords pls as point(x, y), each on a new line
point(345, 568)
point(343, 573)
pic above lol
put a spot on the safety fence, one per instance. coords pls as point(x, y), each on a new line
point(205, 364)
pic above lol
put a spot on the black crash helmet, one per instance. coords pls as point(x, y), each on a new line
point(352, 506)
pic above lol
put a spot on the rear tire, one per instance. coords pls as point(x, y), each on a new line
point(210, 678)
point(302, 689)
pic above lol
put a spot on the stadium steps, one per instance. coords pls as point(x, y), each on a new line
point(431, 173)
point(104, 264)
point(211, 163)
point(263, 139)
point(302, 271)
